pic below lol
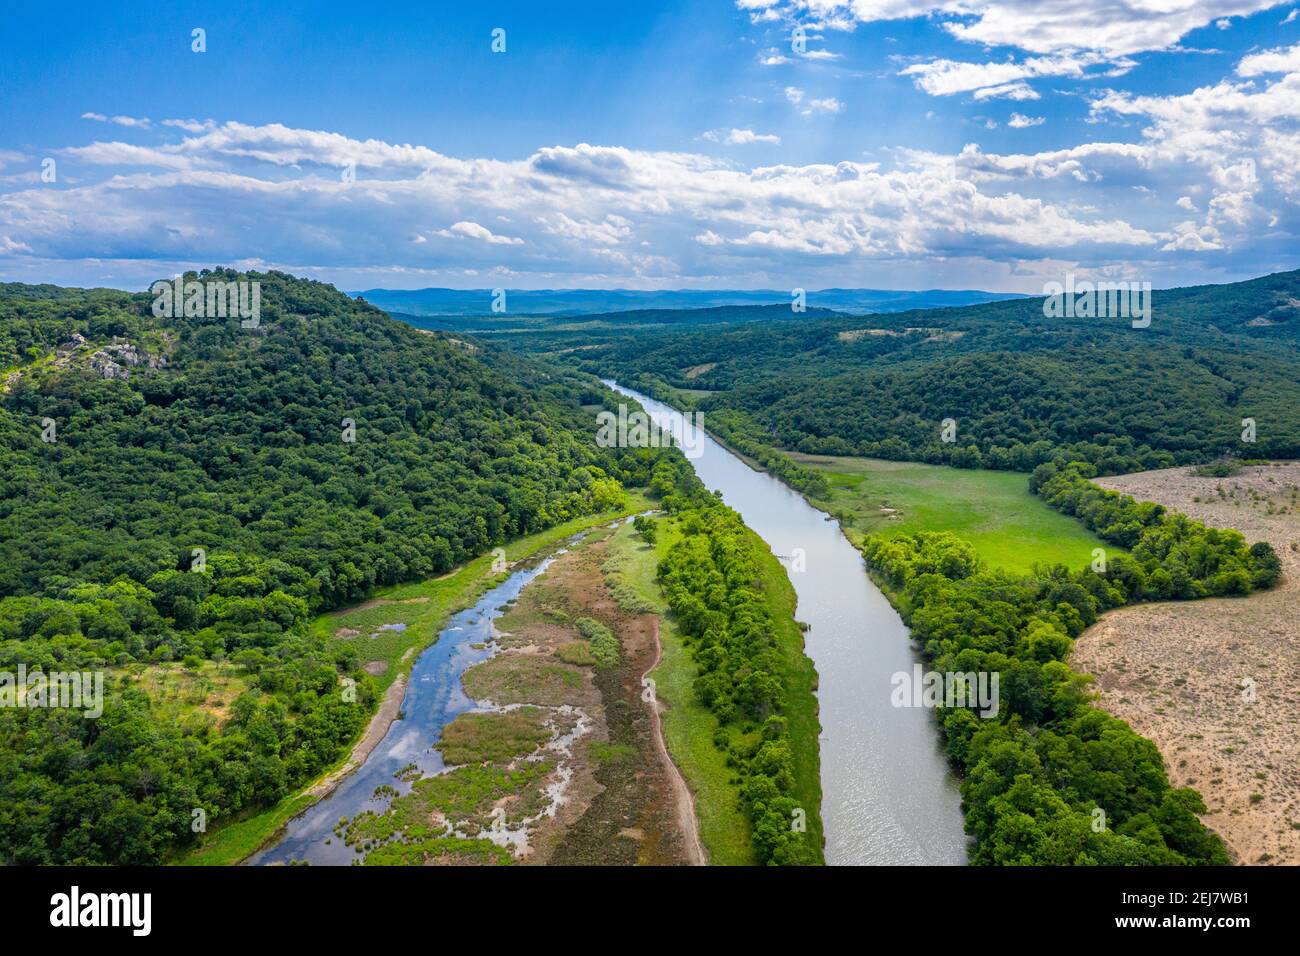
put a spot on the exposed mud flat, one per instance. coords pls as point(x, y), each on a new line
point(1181, 673)
point(554, 758)
point(618, 804)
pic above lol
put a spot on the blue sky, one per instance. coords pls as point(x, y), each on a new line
point(761, 143)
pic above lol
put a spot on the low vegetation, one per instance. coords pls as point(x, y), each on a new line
point(993, 511)
point(493, 737)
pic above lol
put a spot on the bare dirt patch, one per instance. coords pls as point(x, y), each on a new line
point(1181, 673)
point(695, 371)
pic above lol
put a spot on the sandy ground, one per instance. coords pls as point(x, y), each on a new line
point(1181, 673)
point(687, 821)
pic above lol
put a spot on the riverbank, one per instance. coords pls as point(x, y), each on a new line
point(550, 757)
point(421, 609)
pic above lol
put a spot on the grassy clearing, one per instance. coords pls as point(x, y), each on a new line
point(183, 696)
point(993, 510)
point(241, 838)
point(496, 737)
point(521, 678)
point(424, 607)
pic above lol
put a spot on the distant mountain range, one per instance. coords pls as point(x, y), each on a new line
point(570, 302)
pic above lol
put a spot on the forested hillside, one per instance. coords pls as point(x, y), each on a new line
point(1020, 388)
point(190, 489)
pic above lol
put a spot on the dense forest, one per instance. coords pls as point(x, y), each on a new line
point(1052, 779)
point(186, 489)
point(1020, 388)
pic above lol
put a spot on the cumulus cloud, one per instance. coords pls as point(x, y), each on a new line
point(1271, 61)
point(199, 193)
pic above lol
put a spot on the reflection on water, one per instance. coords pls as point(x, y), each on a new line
point(887, 793)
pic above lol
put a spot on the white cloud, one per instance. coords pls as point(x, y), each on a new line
point(9, 247)
point(828, 105)
point(942, 77)
point(1009, 91)
point(740, 137)
point(138, 122)
point(202, 193)
point(1188, 237)
point(191, 125)
point(1115, 28)
point(1020, 121)
point(1271, 61)
point(825, 105)
point(1290, 17)
point(472, 230)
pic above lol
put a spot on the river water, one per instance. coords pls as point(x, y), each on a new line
point(888, 796)
point(434, 697)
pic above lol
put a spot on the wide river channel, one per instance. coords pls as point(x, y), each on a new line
point(888, 795)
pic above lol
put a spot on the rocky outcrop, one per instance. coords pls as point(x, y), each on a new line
point(118, 357)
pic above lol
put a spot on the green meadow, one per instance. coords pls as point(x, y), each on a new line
point(993, 510)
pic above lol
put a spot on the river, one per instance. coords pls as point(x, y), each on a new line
point(888, 795)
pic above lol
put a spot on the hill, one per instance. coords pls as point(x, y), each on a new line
point(1019, 387)
point(294, 466)
point(573, 302)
